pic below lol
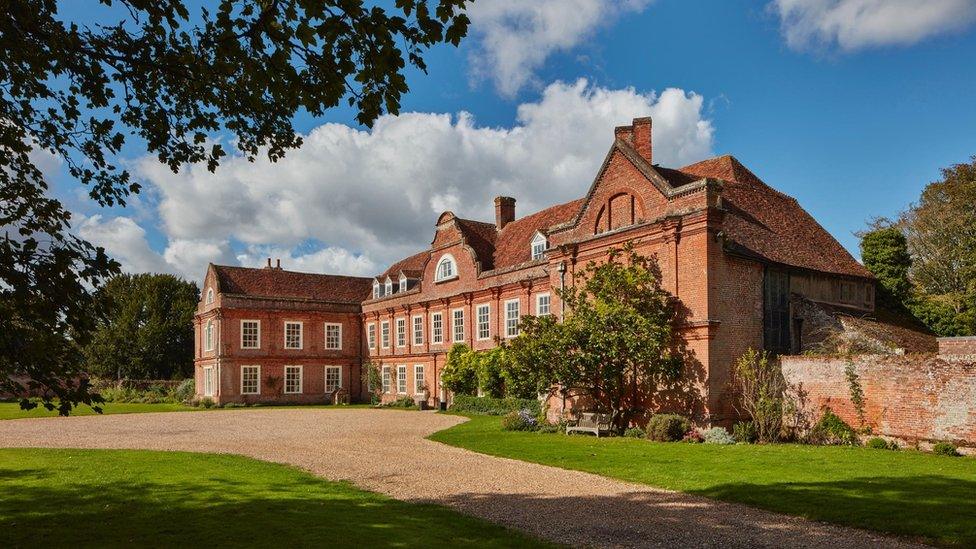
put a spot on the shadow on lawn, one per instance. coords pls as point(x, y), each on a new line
point(221, 512)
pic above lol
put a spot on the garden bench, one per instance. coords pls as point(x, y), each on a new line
point(589, 423)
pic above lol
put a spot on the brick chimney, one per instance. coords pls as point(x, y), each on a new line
point(642, 138)
point(504, 211)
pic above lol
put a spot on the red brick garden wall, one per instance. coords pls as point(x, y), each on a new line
point(912, 397)
point(956, 348)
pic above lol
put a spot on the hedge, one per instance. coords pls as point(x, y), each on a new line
point(494, 406)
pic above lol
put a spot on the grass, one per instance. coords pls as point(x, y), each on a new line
point(110, 498)
point(906, 493)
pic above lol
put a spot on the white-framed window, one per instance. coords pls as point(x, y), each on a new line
point(208, 336)
point(333, 336)
point(250, 380)
point(293, 379)
point(511, 318)
point(293, 335)
point(483, 312)
point(250, 334)
point(402, 379)
point(538, 246)
point(403, 283)
point(418, 330)
point(418, 378)
point(377, 292)
point(389, 286)
point(210, 296)
point(386, 379)
point(542, 305)
point(209, 381)
point(457, 325)
point(446, 268)
point(401, 332)
point(333, 378)
point(385, 334)
point(371, 335)
point(437, 328)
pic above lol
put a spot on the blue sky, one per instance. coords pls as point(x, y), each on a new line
point(851, 106)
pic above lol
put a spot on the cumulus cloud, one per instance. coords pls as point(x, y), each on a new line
point(514, 37)
point(856, 24)
point(371, 197)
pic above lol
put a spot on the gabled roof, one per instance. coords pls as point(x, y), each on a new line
point(413, 266)
point(278, 283)
point(514, 241)
point(481, 237)
point(771, 226)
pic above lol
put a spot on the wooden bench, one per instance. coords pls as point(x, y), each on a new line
point(589, 423)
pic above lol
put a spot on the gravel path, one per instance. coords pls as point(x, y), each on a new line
point(386, 451)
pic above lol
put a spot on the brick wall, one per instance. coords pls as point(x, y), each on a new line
point(911, 397)
point(958, 348)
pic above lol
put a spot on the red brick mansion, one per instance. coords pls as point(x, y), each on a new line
point(734, 251)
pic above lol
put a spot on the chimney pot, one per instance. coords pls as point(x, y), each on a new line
point(642, 138)
point(504, 211)
point(269, 262)
point(278, 263)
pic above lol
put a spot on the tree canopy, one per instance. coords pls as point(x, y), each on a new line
point(173, 81)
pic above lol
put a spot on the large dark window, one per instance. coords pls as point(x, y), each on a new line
point(776, 311)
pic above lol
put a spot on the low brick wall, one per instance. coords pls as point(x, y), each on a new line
point(958, 348)
point(911, 397)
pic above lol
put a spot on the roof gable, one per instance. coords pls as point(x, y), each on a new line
point(278, 283)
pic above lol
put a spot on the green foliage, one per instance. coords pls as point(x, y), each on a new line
point(460, 373)
point(945, 315)
point(489, 366)
point(527, 369)
point(945, 449)
point(519, 421)
point(667, 427)
point(885, 253)
point(744, 432)
point(401, 402)
point(760, 382)
point(552, 428)
point(878, 443)
point(147, 332)
point(185, 391)
point(717, 435)
point(374, 380)
point(467, 404)
point(207, 402)
point(635, 432)
point(156, 393)
point(856, 392)
point(831, 429)
point(172, 79)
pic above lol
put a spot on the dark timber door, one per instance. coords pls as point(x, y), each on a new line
point(776, 311)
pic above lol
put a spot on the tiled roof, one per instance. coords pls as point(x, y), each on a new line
point(770, 225)
point(278, 283)
point(481, 237)
point(412, 266)
point(514, 240)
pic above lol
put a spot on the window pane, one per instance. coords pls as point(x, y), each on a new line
point(418, 378)
point(511, 318)
point(418, 330)
point(386, 379)
point(249, 380)
point(333, 336)
point(401, 379)
point(293, 335)
point(293, 379)
point(437, 328)
point(385, 334)
point(333, 377)
point(401, 331)
point(542, 305)
point(484, 327)
point(458, 325)
point(371, 335)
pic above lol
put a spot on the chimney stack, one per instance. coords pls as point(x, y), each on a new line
point(278, 264)
point(504, 211)
point(269, 263)
point(642, 138)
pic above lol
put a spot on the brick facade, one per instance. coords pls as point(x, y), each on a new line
point(958, 348)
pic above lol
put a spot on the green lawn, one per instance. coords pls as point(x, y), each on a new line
point(11, 410)
point(905, 492)
point(110, 498)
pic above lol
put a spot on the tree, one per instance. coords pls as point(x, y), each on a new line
point(173, 81)
point(460, 373)
point(529, 358)
point(885, 253)
point(147, 332)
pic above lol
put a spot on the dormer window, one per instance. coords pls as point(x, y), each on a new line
point(389, 286)
point(376, 289)
point(446, 268)
point(210, 296)
point(403, 283)
point(539, 246)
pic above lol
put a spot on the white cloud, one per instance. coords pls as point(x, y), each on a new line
point(515, 37)
point(856, 24)
point(124, 240)
point(371, 197)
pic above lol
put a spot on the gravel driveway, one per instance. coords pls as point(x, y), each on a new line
point(385, 451)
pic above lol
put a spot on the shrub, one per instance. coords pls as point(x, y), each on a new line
point(667, 427)
point(523, 420)
point(494, 406)
point(945, 449)
point(879, 443)
point(460, 374)
point(744, 432)
point(184, 391)
point(831, 429)
point(235, 405)
point(718, 435)
point(401, 402)
point(635, 432)
point(551, 428)
point(207, 402)
point(693, 436)
point(759, 379)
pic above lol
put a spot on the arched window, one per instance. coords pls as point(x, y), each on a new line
point(446, 268)
point(539, 246)
point(209, 336)
point(210, 296)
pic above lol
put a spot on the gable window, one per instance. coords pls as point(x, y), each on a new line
point(249, 380)
point(484, 326)
point(385, 334)
point(401, 331)
point(457, 318)
point(371, 335)
point(542, 305)
point(208, 336)
point(538, 246)
point(333, 336)
point(418, 378)
point(250, 334)
point(389, 286)
point(293, 379)
point(446, 268)
point(437, 328)
point(386, 379)
point(333, 378)
point(402, 379)
point(293, 335)
point(418, 330)
point(403, 283)
point(511, 318)
point(376, 289)
point(210, 296)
